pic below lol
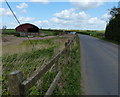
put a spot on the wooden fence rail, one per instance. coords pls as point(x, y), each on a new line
point(19, 86)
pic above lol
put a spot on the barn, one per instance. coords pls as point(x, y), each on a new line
point(27, 29)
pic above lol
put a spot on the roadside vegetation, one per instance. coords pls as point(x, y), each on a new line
point(98, 34)
point(71, 77)
point(94, 33)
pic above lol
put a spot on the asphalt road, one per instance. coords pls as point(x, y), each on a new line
point(99, 67)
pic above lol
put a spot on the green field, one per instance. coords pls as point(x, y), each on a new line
point(94, 33)
point(97, 34)
point(46, 32)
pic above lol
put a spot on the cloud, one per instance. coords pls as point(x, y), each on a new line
point(42, 23)
point(86, 4)
point(71, 14)
point(71, 19)
point(106, 16)
point(65, 14)
point(9, 24)
point(13, 24)
point(22, 7)
point(95, 21)
point(25, 19)
point(41, 1)
point(5, 12)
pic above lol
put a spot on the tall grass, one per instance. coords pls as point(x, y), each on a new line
point(26, 46)
point(29, 60)
point(69, 83)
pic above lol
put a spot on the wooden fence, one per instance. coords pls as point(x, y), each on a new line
point(19, 86)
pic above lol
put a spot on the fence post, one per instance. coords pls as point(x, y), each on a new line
point(66, 43)
point(68, 53)
point(14, 81)
point(69, 48)
point(75, 40)
point(56, 51)
point(73, 43)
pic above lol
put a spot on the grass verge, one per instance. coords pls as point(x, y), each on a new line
point(71, 76)
point(113, 41)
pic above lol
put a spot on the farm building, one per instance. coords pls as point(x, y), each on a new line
point(27, 29)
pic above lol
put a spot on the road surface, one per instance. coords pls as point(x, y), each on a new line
point(99, 67)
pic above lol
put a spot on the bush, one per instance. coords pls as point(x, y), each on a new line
point(17, 34)
point(84, 33)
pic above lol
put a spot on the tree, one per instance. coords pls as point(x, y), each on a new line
point(115, 11)
point(4, 27)
point(113, 27)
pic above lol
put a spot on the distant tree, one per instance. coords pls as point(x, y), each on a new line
point(119, 4)
point(113, 26)
point(4, 27)
point(114, 12)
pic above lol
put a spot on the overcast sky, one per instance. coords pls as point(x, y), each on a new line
point(58, 15)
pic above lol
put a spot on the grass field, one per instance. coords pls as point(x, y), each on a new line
point(44, 32)
point(48, 32)
point(29, 59)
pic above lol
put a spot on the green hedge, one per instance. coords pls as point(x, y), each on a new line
point(113, 29)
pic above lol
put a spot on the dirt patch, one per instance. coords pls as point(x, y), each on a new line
point(11, 39)
point(37, 38)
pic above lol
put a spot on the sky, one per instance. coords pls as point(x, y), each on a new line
point(85, 15)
